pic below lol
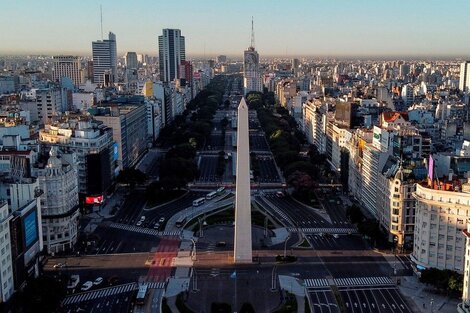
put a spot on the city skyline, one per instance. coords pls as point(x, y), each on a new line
point(306, 28)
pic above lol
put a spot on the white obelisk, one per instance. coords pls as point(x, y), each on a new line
point(242, 252)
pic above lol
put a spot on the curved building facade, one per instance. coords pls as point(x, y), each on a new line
point(59, 203)
point(441, 217)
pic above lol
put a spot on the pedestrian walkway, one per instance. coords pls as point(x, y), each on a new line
point(143, 230)
point(363, 281)
point(347, 230)
point(320, 282)
point(348, 282)
point(110, 291)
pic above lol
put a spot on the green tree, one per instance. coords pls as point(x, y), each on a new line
point(185, 151)
point(131, 177)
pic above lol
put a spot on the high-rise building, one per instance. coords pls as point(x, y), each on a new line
point(128, 121)
point(464, 82)
point(171, 51)
point(131, 60)
point(251, 72)
point(49, 104)
point(66, 66)
point(104, 59)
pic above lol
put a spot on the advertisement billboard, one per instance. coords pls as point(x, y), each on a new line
point(94, 199)
point(115, 151)
point(30, 226)
point(430, 167)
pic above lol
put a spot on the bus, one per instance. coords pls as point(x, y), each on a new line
point(141, 294)
point(199, 201)
point(211, 195)
point(181, 221)
point(220, 190)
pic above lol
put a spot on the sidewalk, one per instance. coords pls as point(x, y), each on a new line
point(417, 293)
point(97, 217)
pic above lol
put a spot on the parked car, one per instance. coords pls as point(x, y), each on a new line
point(139, 223)
point(98, 281)
point(86, 286)
point(58, 265)
point(161, 220)
point(156, 226)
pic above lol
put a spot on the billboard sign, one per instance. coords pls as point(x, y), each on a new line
point(30, 225)
point(430, 167)
point(94, 199)
point(115, 151)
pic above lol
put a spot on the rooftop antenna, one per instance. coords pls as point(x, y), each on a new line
point(101, 20)
point(252, 45)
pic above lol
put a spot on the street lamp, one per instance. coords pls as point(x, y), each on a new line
point(193, 255)
point(432, 301)
point(285, 245)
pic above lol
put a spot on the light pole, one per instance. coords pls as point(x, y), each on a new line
point(285, 246)
point(194, 256)
point(432, 301)
point(273, 279)
point(265, 226)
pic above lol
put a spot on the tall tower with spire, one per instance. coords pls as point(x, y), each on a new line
point(251, 71)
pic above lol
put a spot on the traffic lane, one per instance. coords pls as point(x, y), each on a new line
point(343, 242)
point(131, 207)
point(268, 171)
point(299, 214)
point(112, 240)
point(345, 265)
point(335, 210)
point(273, 213)
point(168, 210)
point(115, 303)
point(374, 299)
point(323, 301)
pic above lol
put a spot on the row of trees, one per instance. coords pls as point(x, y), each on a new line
point(285, 141)
point(195, 124)
point(185, 135)
point(444, 280)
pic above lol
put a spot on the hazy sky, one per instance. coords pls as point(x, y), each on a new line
point(287, 27)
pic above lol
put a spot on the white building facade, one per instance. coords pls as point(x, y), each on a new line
point(59, 203)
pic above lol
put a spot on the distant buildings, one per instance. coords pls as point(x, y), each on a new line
point(464, 80)
point(105, 60)
point(128, 121)
point(48, 104)
point(67, 66)
point(171, 52)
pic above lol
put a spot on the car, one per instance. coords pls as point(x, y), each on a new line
point(279, 194)
point(73, 282)
point(161, 220)
point(156, 226)
point(86, 285)
point(58, 265)
point(139, 223)
point(221, 244)
point(142, 218)
point(98, 281)
point(336, 236)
